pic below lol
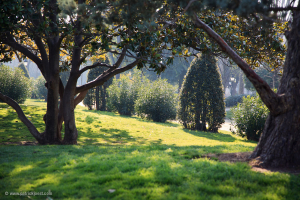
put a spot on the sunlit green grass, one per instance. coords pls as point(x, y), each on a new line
point(129, 158)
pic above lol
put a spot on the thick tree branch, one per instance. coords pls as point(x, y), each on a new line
point(100, 80)
point(22, 117)
point(79, 98)
point(15, 45)
point(43, 53)
point(271, 99)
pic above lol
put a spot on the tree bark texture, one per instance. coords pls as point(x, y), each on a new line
point(279, 144)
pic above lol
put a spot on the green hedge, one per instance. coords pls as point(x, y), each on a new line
point(249, 117)
point(157, 101)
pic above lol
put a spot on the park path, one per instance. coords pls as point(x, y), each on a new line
point(227, 124)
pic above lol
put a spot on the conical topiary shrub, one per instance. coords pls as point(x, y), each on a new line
point(201, 99)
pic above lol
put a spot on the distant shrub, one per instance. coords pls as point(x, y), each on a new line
point(234, 100)
point(14, 84)
point(157, 101)
point(123, 92)
point(249, 117)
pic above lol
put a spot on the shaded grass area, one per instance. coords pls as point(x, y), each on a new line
point(121, 157)
point(134, 172)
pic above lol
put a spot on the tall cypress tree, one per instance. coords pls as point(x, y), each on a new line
point(201, 99)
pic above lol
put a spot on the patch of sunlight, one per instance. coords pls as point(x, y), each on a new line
point(48, 179)
point(70, 164)
point(159, 191)
point(168, 150)
point(268, 195)
point(135, 152)
point(174, 165)
point(19, 168)
point(147, 173)
point(226, 189)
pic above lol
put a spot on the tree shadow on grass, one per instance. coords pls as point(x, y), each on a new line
point(145, 172)
point(113, 136)
point(212, 136)
point(112, 114)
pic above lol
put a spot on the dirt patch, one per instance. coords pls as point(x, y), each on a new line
point(244, 157)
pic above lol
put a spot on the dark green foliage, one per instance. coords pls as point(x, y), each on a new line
point(201, 99)
point(123, 92)
point(157, 101)
point(249, 117)
point(234, 100)
point(97, 96)
point(14, 84)
point(24, 69)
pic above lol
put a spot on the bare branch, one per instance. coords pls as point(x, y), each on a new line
point(22, 117)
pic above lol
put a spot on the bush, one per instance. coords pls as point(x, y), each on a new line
point(14, 84)
point(201, 99)
point(234, 100)
point(249, 117)
point(123, 92)
point(157, 101)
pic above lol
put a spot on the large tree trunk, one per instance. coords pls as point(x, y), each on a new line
point(279, 144)
point(51, 134)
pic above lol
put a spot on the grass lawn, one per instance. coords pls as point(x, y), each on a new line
point(120, 157)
